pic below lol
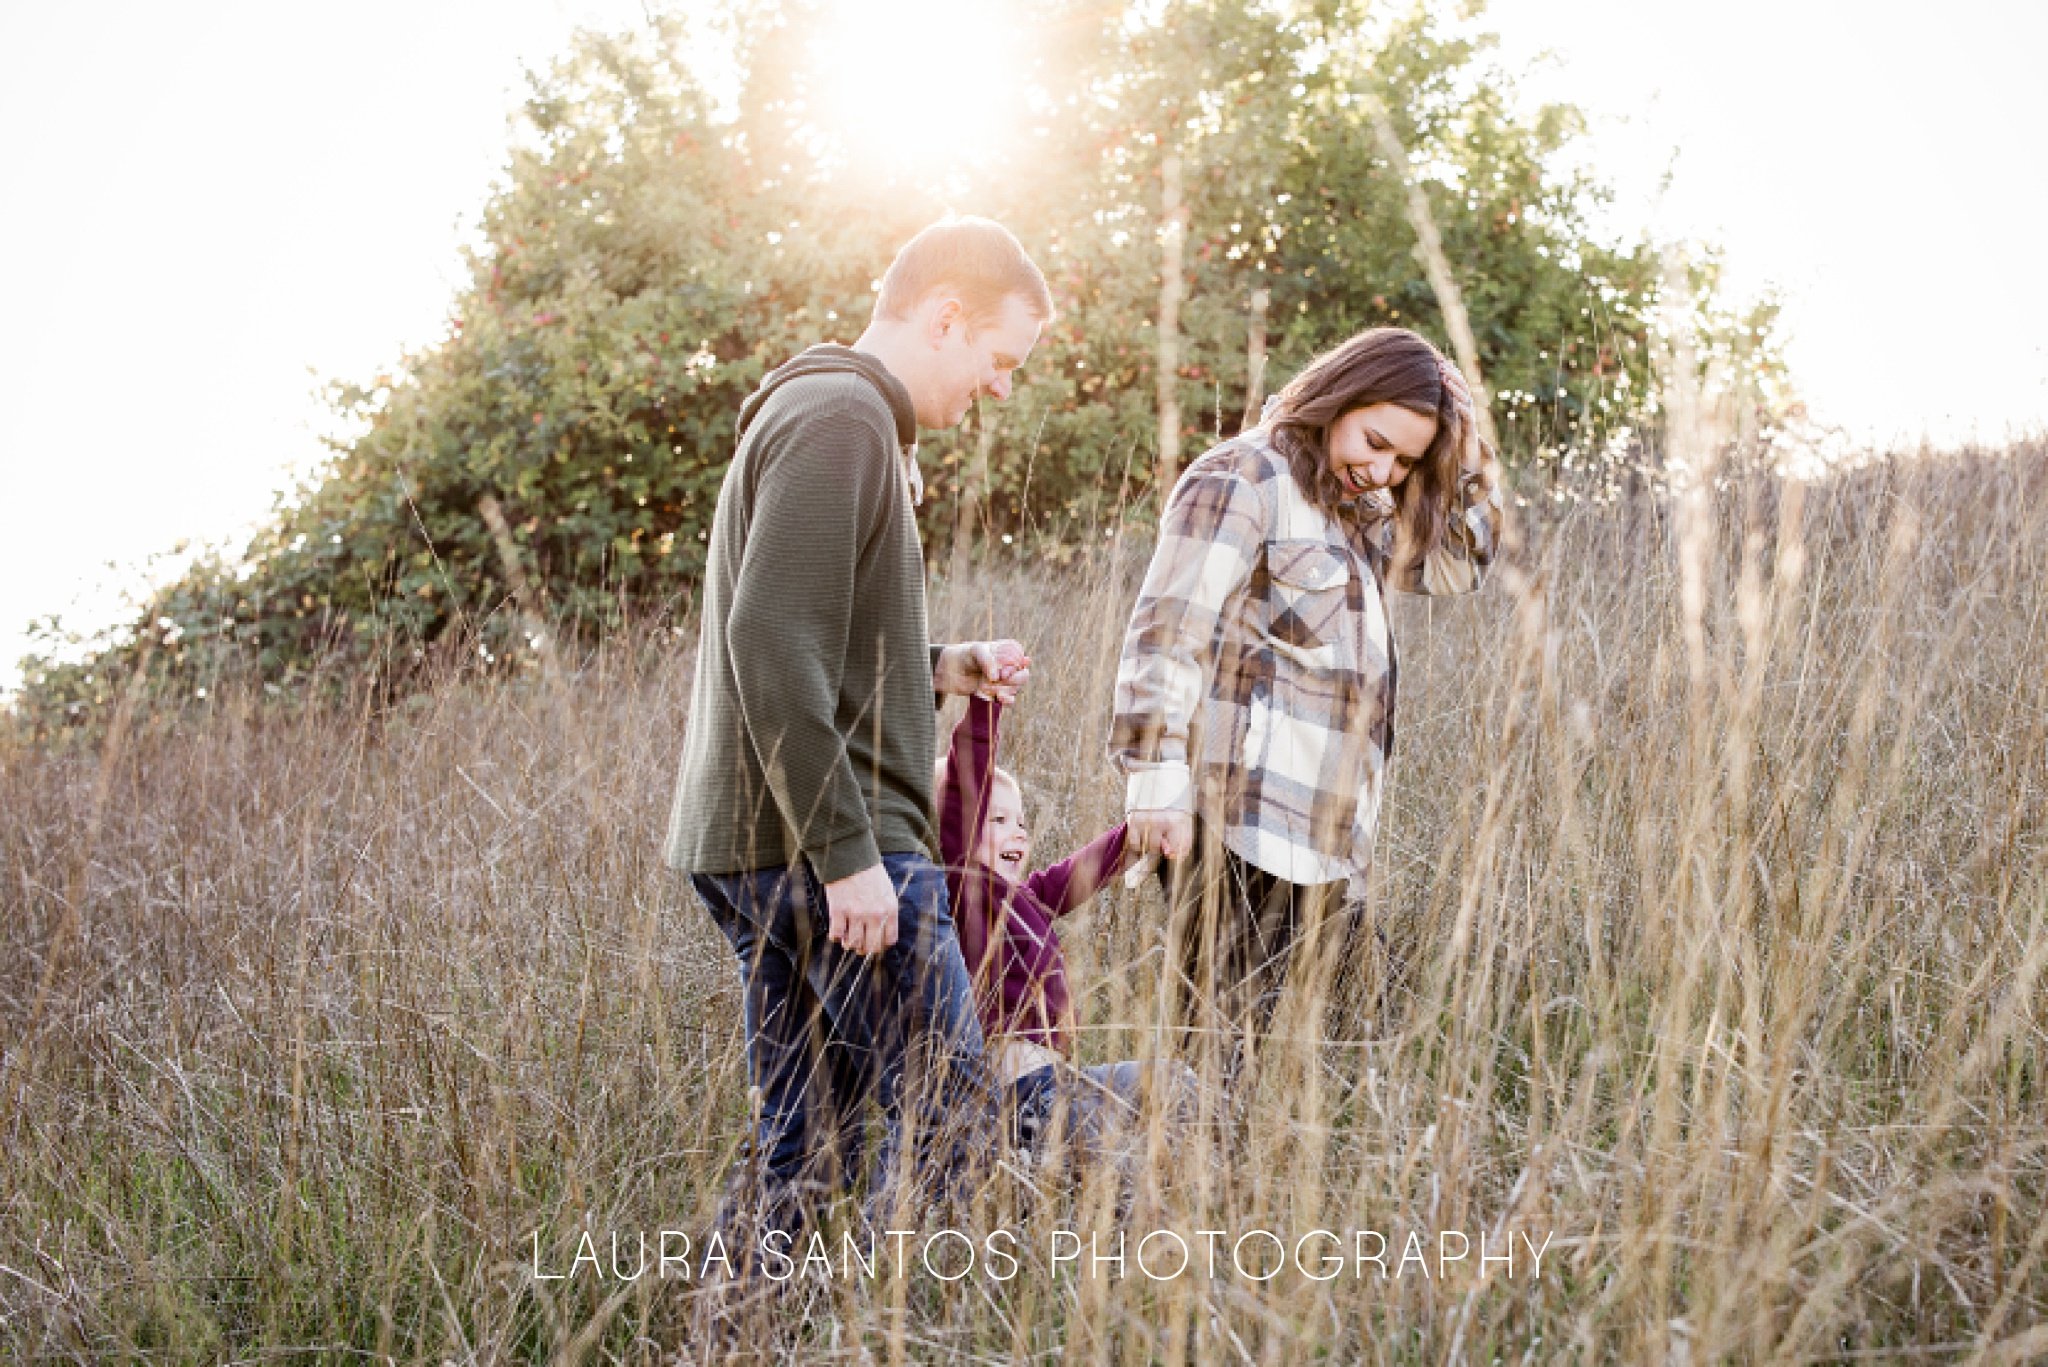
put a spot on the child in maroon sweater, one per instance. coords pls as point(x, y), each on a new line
point(1004, 917)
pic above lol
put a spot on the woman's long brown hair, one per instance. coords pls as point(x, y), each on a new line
point(1379, 365)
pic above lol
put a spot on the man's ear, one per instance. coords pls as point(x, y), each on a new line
point(947, 313)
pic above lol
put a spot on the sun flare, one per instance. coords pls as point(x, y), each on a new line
point(922, 87)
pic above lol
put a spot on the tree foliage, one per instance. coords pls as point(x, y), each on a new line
point(655, 245)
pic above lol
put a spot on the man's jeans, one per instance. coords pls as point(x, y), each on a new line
point(828, 1029)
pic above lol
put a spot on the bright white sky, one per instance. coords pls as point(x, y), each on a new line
point(210, 206)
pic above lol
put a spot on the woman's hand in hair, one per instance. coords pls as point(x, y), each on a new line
point(1475, 455)
point(1461, 393)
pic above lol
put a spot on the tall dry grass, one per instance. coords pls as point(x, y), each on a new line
point(1711, 936)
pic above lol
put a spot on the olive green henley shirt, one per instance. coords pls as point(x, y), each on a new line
point(810, 727)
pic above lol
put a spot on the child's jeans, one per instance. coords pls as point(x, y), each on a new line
point(1099, 1112)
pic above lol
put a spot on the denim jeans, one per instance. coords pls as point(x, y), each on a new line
point(1098, 1112)
point(827, 1031)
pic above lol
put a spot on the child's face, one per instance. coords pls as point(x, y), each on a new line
point(1005, 843)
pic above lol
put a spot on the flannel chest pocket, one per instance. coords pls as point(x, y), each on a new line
point(1310, 592)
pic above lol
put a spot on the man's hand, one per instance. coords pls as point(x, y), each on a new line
point(863, 910)
point(1170, 833)
point(985, 669)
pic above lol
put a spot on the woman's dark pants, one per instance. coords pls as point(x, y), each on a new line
point(1236, 935)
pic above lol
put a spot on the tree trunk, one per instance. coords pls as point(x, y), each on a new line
point(1255, 359)
point(1172, 238)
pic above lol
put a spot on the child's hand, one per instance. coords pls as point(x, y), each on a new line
point(1149, 834)
point(983, 669)
point(1170, 833)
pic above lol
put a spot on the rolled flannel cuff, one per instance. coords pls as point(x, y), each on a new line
point(1167, 788)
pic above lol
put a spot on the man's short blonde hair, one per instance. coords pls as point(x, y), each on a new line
point(976, 258)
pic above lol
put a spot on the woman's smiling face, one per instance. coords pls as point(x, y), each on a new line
point(1375, 447)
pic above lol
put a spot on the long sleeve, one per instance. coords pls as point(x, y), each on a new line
point(964, 793)
point(970, 910)
point(1075, 880)
point(1460, 561)
point(817, 503)
point(1209, 540)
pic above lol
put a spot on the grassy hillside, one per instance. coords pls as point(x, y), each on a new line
point(1712, 894)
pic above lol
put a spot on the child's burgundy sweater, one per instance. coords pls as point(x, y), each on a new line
point(1006, 932)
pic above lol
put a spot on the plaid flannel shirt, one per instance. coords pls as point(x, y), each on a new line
point(1258, 671)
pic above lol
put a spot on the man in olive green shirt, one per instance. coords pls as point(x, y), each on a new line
point(804, 809)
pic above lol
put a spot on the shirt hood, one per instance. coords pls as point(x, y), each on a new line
point(829, 358)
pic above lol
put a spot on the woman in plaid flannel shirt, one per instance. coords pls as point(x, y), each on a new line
point(1255, 695)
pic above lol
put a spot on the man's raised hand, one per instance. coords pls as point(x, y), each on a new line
point(985, 669)
point(862, 907)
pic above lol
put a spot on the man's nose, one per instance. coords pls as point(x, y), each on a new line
point(999, 386)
